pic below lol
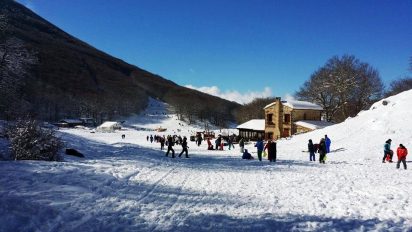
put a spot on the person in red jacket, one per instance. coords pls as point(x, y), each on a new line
point(402, 152)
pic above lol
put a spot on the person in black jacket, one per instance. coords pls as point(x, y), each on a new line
point(184, 146)
point(271, 146)
point(170, 144)
point(322, 151)
point(311, 149)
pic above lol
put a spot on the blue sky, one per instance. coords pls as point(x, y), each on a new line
point(240, 49)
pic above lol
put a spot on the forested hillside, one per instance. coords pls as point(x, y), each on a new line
point(50, 74)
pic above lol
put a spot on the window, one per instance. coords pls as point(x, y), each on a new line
point(287, 119)
point(269, 119)
point(286, 132)
point(304, 116)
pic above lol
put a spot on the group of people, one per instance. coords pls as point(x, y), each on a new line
point(323, 148)
point(171, 142)
point(220, 142)
point(270, 146)
point(401, 152)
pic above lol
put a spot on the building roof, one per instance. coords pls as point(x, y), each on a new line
point(254, 124)
point(298, 105)
point(313, 124)
point(73, 121)
point(302, 105)
point(109, 124)
point(271, 104)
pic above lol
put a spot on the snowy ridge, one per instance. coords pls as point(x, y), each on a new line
point(129, 185)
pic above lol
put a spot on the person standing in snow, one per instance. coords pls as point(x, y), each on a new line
point(147, 138)
point(271, 146)
point(259, 147)
point(327, 143)
point(162, 142)
point(387, 151)
point(402, 152)
point(151, 139)
point(170, 146)
point(217, 141)
point(230, 141)
point(199, 139)
point(311, 149)
point(322, 151)
point(242, 145)
point(184, 146)
point(209, 144)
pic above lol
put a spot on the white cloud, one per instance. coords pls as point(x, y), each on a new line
point(289, 97)
point(233, 95)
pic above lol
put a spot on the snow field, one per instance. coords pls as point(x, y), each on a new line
point(129, 185)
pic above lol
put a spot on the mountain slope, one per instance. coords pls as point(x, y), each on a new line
point(71, 77)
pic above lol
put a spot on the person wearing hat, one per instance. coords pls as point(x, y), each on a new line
point(387, 152)
point(402, 152)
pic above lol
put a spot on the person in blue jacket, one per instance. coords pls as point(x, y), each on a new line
point(327, 143)
point(259, 146)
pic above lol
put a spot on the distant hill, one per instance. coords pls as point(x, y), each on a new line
point(66, 77)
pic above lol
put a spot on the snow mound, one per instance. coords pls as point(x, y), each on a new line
point(364, 135)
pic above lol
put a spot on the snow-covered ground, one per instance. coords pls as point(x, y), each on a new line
point(129, 185)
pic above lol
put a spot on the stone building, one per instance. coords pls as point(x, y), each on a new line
point(286, 118)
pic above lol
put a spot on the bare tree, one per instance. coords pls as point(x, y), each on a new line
point(343, 87)
point(398, 86)
point(253, 110)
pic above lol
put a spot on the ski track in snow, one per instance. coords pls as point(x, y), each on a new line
point(129, 185)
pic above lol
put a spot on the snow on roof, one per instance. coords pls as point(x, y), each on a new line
point(109, 124)
point(254, 124)
point(71, 120)
point(271, 104)
point(298, 105)
point(302, 105)
point(313, 124)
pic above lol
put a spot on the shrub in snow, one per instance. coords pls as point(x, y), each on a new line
point(31, 142)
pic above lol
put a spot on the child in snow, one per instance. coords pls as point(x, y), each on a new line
point(209, 144)
point(311, 149)
point(259, 147)
point(402, 152)
point(247, 155)
point(322, 151)
point(242, 145)
point(387, 151)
